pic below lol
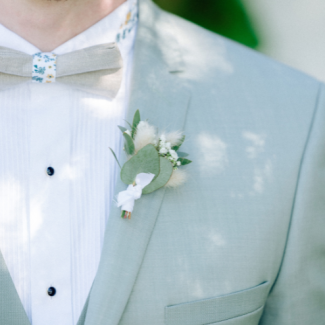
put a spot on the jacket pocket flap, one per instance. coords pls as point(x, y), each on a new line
point(217, 309)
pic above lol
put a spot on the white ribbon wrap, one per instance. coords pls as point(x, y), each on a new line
point(126, 199)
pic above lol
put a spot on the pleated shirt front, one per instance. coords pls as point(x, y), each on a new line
point(52, 227)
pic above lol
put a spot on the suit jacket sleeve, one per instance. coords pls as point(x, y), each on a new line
point(298, 294)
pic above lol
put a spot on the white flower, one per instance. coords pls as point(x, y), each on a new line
point(178, 163)
point(175, 138)
point(128, 132)
point(163, 150)
point(168, 145)
point(162, 138)
point(142, 124)
point(174, 154)
point(177, 178)
point(145, 134)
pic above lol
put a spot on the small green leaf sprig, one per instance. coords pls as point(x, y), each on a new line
point(149, 152)
point(167, 151)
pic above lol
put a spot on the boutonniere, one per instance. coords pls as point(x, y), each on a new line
point(154, 162)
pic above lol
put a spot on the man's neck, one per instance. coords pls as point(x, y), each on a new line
point(50, 23)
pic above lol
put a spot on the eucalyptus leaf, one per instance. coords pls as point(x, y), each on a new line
point(182, 154)
point(123, 129)
point(184, 161)
point(145, 161)
point(129, 145)
point(166, 170)
point(115, 157)
point(178, 146)
point(136, 121)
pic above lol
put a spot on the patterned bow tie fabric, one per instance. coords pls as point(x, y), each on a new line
point(44, 67)
point(97, 69)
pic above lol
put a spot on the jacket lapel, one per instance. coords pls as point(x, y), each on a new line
point(162, 98)
point(12, 311)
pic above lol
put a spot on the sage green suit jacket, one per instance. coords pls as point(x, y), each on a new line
point(242, 242)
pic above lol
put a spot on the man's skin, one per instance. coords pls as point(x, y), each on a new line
point(50, 23)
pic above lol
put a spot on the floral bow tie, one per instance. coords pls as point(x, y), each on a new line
point(97, 69)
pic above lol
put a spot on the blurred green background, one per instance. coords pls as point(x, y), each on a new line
point(225, 17)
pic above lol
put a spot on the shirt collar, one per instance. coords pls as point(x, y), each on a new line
point(120, 26)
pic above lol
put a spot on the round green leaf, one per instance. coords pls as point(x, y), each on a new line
point(145, 161)
point(166, 170)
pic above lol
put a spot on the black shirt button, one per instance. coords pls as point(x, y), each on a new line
point(50, 171)
point(51, 291)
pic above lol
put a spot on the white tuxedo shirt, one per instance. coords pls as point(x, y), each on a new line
point(52, 227)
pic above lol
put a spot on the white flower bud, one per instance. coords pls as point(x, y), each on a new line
point(173, 154)
point(163, 150)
